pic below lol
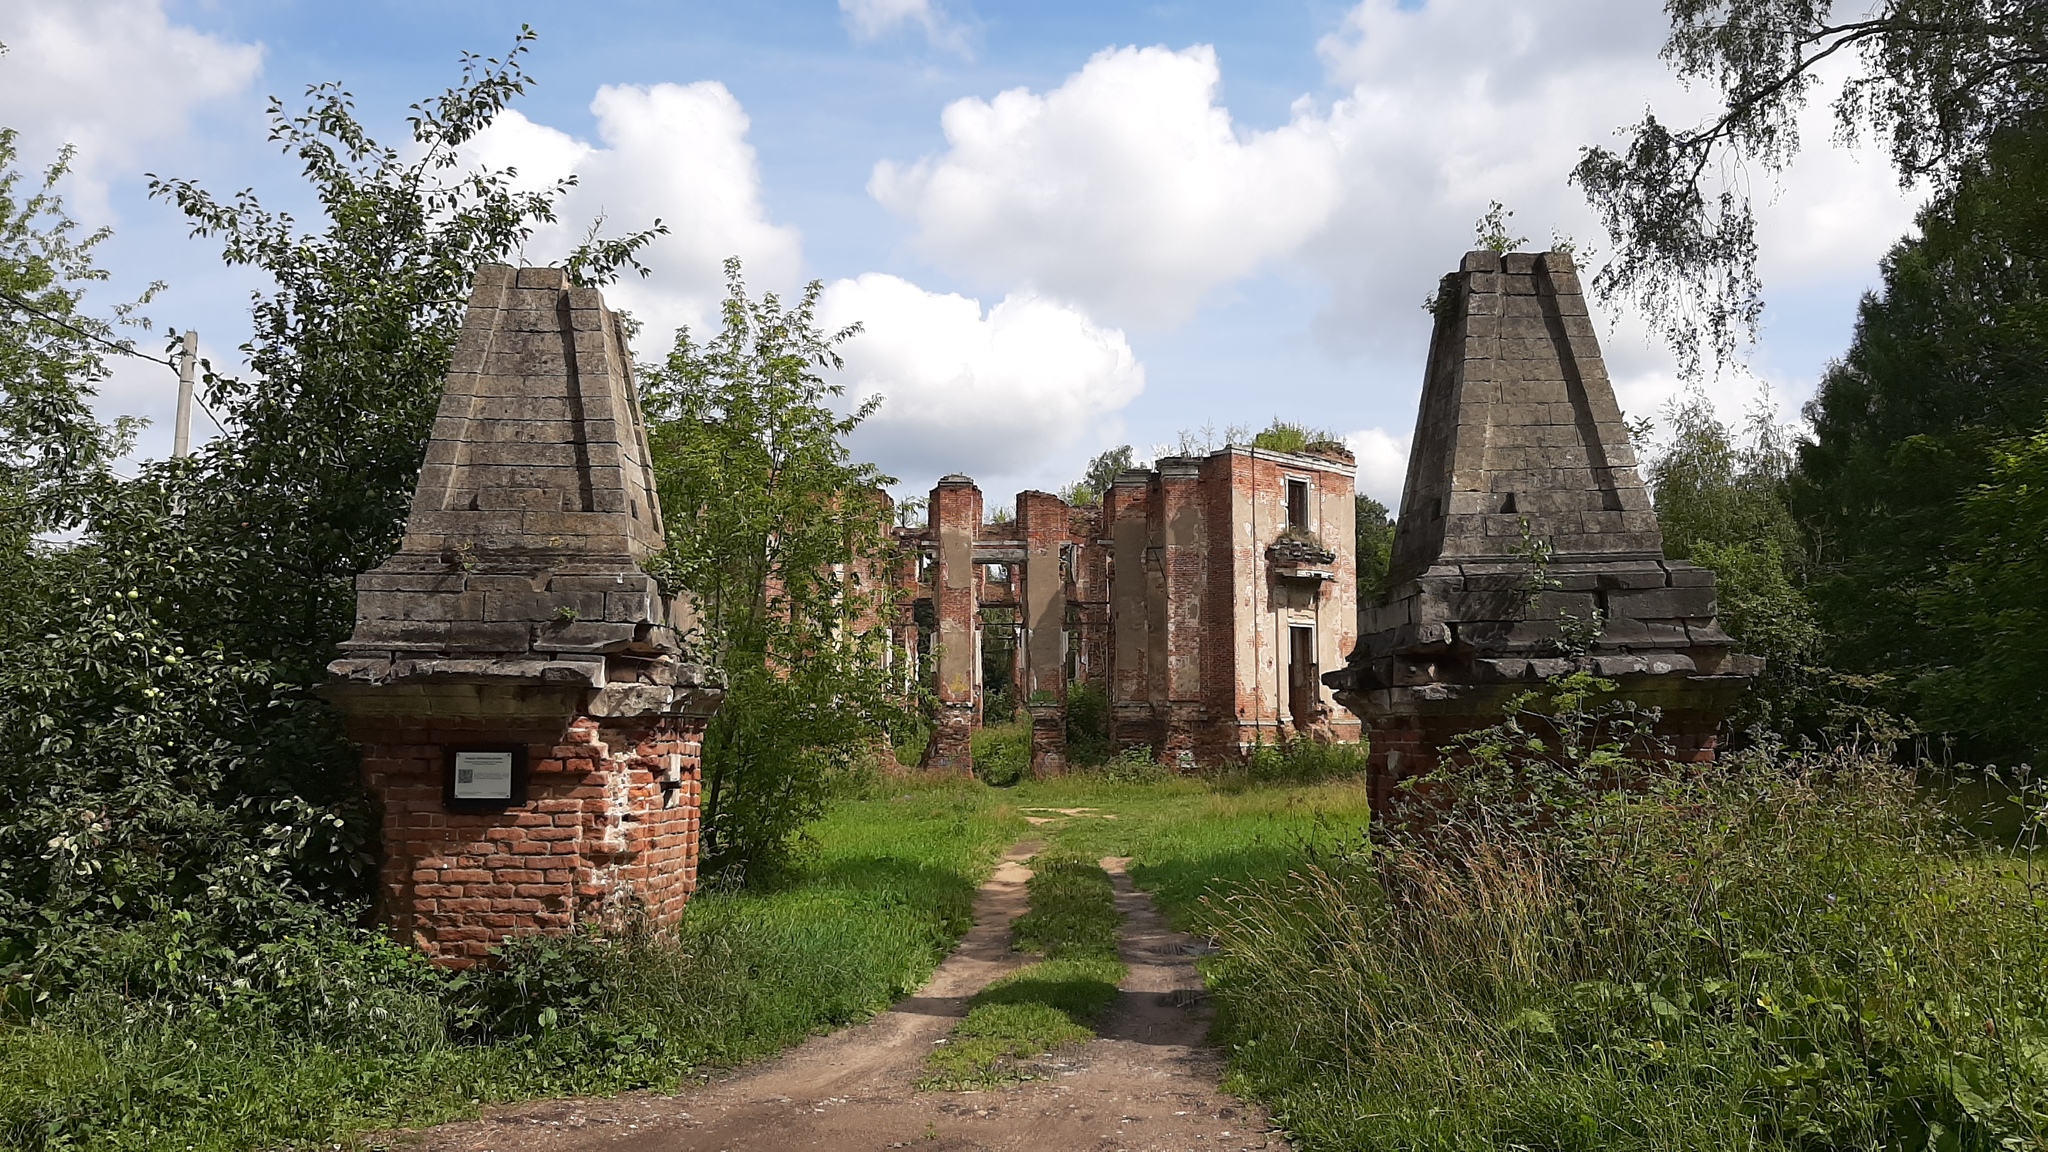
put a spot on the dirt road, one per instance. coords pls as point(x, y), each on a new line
point(1148, 1083)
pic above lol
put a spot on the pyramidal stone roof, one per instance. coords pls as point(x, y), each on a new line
point(535, 507)
point(540, 446)
point(1518, 442)
point(1518, 428)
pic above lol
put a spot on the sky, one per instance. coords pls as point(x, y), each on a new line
point(1061, 226)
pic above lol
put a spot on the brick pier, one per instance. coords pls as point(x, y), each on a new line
point(531, 724)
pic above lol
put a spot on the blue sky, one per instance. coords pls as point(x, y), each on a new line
point(1065, 226)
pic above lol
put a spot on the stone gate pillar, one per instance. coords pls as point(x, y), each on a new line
point(530, 722)
point(1519, 444)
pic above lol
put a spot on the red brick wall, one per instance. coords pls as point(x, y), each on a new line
point(1180, 511)
point(955, 517)
point(1248, 607)
point(1407, 746)
point(598, 841)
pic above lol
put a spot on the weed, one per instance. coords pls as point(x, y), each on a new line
point(1770, 954)
point(1135, 765)
point(1297, 761)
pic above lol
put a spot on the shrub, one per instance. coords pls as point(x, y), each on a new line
point(1301, 761)
point(1135, 765)
point(1001, 753)
point(1087, 723)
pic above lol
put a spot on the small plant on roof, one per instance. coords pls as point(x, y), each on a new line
point(1286, 436)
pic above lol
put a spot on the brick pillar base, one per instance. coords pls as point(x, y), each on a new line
point(1048, 740)
point(607, 835)
point(951, 750)
point(1134, 725)
point(1406, 746)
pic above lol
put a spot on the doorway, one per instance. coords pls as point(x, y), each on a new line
point(1301, 675)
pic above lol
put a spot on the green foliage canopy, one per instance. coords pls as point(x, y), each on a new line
point(1102, 472)
point(1375, 541)
point(773, 527)
point(1946, 370)
point(164, 763)
point(1937, 80)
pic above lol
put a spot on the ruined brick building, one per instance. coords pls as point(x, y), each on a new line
point(1203, 597)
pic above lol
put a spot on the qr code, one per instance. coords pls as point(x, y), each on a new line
point(465, 775)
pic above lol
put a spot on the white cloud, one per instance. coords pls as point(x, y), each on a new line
point(1127, 188)
point(115, 78)
point(1429, 131)
point(1130, 189)
point(874, 19)
point(1382, 464)
point(673, 152)
point(992, 393)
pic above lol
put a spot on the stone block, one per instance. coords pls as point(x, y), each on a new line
point(1685, 574)
point(548, 278)
point(582, 635)
point(1630, 575)
point(543, 606)
point(1708, 634)
point(419, 605)
point(1662, 603)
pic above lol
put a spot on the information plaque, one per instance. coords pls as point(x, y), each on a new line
point(484, 777)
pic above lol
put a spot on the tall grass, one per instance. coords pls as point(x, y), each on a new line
point(1297, 761)
point(1773, 954)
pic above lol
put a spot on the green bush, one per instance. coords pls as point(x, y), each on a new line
point(999, 707)
point(170, 1041)
point(1135, 765)
point(1087, 724)
point(1001, 753)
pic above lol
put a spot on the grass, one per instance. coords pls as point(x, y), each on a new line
point(1776, 955)
point(1770, 956)
point(368, 1038)
point(1192, 839)
point(1055, 1002)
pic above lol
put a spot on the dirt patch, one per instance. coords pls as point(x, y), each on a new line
point(1148, 1083)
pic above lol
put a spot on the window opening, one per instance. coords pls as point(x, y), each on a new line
point(1297, 504)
